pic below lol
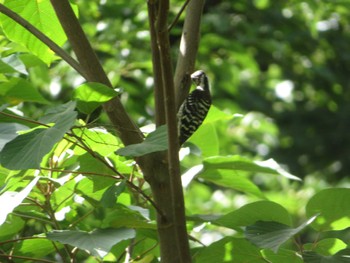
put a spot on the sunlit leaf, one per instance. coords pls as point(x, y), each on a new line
point(327, 246)
point(228, 250)
point(42, 16)
point(10, 200)
point(334, 209)
point(18, 90)
point(91, 95)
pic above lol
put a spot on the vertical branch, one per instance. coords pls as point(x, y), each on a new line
point(157, 69)
point(178, 214)
point(188, 50)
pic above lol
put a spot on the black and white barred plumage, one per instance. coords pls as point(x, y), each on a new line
point(195, 107)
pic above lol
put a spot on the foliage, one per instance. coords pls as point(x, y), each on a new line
point(71, 188)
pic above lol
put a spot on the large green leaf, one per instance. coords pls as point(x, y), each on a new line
point(10, 200)
point(334, 209)
point(253, 212)
point(27, 150)
point(200, 139)
point(236, 162)
point(272, 234)
point(155, 141)
point(97, 242)
point(42, 16)
point(92, 95)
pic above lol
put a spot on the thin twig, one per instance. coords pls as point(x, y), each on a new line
point(28, 258)
point(178, 15)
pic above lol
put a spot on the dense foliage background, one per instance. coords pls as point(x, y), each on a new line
point(279, 80)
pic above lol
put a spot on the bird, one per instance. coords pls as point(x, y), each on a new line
point(195, 107)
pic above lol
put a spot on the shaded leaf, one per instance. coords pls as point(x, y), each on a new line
point(8, 131)
point(272, 234)
point(237, 162)
point(232, 180)
point(109, 197)
point(27, 150)
point(97, 242)
point(156, 141)
point(122, 216)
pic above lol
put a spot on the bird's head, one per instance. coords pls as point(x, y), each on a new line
point(200, 79)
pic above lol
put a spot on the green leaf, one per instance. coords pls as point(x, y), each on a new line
point(327, 246)
point(232, 180)
point(253, 212)
point(312, 257)
point(11, 227)
point(156, 141)
point(216, 114)
point(10, 200)
point(199, 138)
point(18, 90)
point(30, 248)
point(228, 250)
point(237, 162)
point(91, 95)
point(110, 196)
point(27, 150)
point(12, 64)
point(334, 209)
point(122, 216)
point(283, 255)
point(98, 242)
point(8, 131)
point(41, 15)
point(271, 234)
point(98, 139)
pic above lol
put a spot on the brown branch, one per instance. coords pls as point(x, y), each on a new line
point(157, 68)
point(188, 50)
point(43, 38)
point(127, 130)
point(177, 215)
